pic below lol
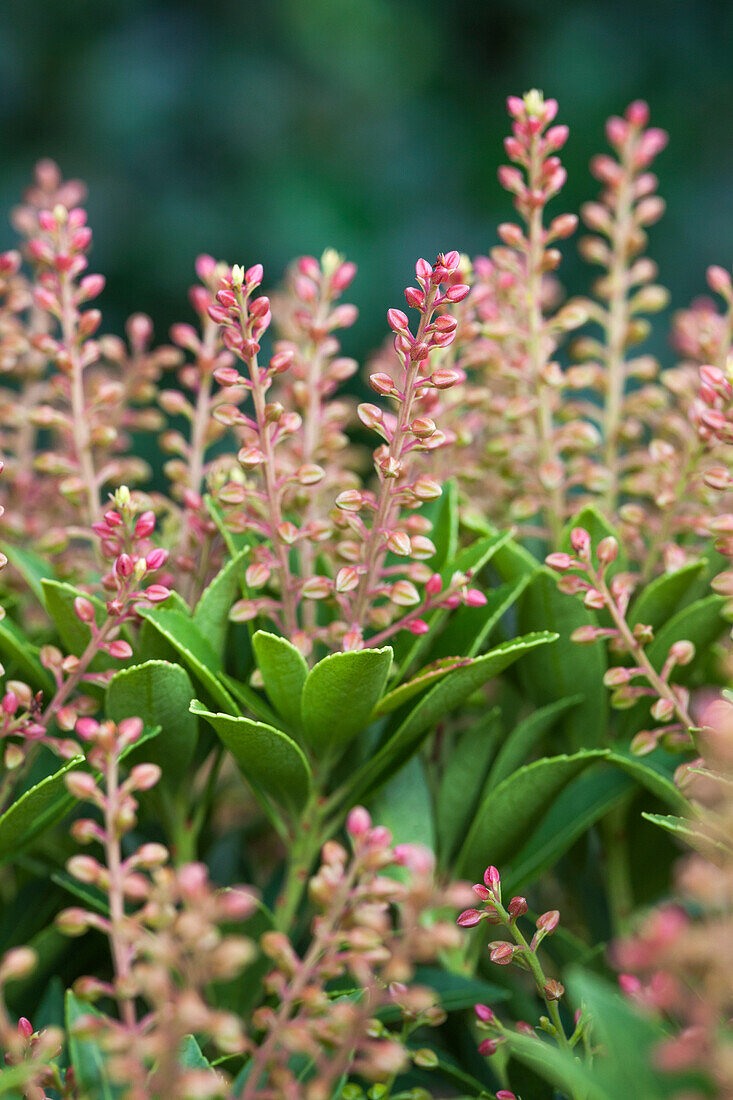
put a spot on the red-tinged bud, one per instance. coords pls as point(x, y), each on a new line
point(719, 282)
point(580, 541)
point(157, 558)
point(317, 588)
point(616, 131)
point(17, 963)
point(473, 597)
point(144, 776)
point(350, 500)
point(418, 627)
point(119, 649)
point(553, 990)
point(607, 550)
point(258, 307)
point(397, 320)
point(257, 575)
point(80, 784)
point(347, 579)
point(253, 276)
point(84, 609)
point(251, 457)
point(44, 299)
point(434, 586)
point(484, 1013)
point(358, 822)
point(637, 113)
point(382, 383)
point(343, 276)
point(445, 377)
point(287, 532)
point(157, 593)
point(501, 952)
point(309, 267)
point(404, 594)
point(227, 376)
point(370, 415)
point(124, 566)
point(10, 702)
point(629, 984)
point(205, 266)
point(594, 599)
point(91, 286)
point(556, 137)
point(511, 179)
point(414, 297)
point(423, 270)
point(487, 1047)
point(517, 907)
point(457, 292)
point(145, 525)
point(548, 922)
point(506, 1094)
point(682, 652)
point(468, 918)
point(25, 1028)
point(559, 561)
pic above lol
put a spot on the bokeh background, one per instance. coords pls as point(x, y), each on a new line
point(261, 130)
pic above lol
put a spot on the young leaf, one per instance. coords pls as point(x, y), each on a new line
point(664, 596)
point(509, 812)
point(36, 810)
point(211, 614)
point(268, 759)
point(525, 736)
point(445, 697)
point(160, 693)
point(284, 672)
point(186, 638)
point(339, 695)
point(466, 768)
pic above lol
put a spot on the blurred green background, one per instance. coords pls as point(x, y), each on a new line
point(261, 130)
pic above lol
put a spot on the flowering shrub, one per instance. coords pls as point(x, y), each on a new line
point(302, 681)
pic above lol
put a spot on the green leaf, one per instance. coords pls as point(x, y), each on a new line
point(192, 1057)
point(339, 695)
point(33, 569)
point(525, 736)
point(509, 812)
point(186, 638)
point(211, 614)
point(36, 810)
point(685, 831)
point(655, 772)
point(284, 672)
point(463, 779)
point(424, 679)
point(16, 650)
point(269, 760)
point(663, 597)
point(445, 527)
point(404, 806)
point(585, 800)
point(700, 622)
point(249, 699)
point(85, 1055)
point(160, 693)
point(59, 600)
point(441, 700)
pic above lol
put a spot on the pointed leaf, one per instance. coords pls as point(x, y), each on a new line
point(36, 810)
point(509, 812)
point(525, 736)
point(32, 567)
point(445, 697)
point(424, 679)
point(16, 650)
point(211, 614)
point(663, 597)
point(86, 1056)
point(339, 695)
point(268, 759)
point(186, 638)
point(284, 672)
point(463, 779)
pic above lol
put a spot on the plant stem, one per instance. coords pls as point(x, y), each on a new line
point(115, 890)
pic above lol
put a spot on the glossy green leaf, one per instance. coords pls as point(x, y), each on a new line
point(405, 807)
point(32, 568)
point(466, 768)
point(249, 699)
point(192, 1057)
point(269, 760)
point(211, 614)
point(663, 597)
point(36, 810)
point(445, 526)
point(160, 693)
point(441, 700)
point(509, 812)
point(86, 1056)
point(22, 655)
point(427, 676)
point(284, 672)
point(525, 736)
point(685, 831)
point(188, 641)
point(339, 696)
point(655, 772)
point(59, 600)
point(584, 801)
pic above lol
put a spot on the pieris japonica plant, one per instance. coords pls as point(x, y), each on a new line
point(341, 657)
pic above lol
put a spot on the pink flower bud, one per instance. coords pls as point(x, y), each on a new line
point(474, 598)
point(517, 907)
point(343, 276)
point(156, 593)
point(382, 383)
point(607, 550)
point(145, 525)
point(549, 921)
point(488, 1047)
point(501, 952)
point(468, 918)
point(25, 1027)
point(580, 540)
point(358, 822)
point(414, 297)
point(157, 558)
point(144, 776)
point(282, 361)
point(719, 280)
point(253, 276)
point(317, 588)
point(119, 649)
point(347, 579)
point(84, 609)
point(484, 1013)
point(457, 292)
point(492, 880)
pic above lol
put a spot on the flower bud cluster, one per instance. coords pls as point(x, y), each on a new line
point(29, 1055)
point(588, 571)
point(371, 927)
point(519, 952)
